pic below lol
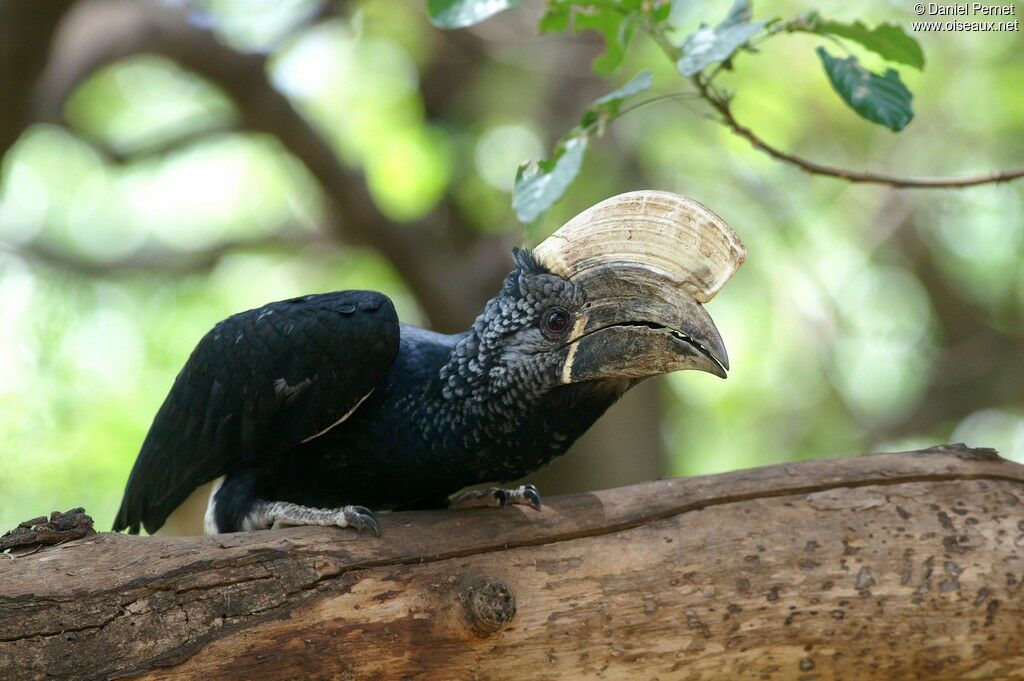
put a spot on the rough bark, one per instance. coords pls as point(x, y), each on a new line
point(887, 566)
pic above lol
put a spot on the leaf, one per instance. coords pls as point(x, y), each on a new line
point(880, 99)
point(741, 12)
point(555, 18)
point(462, 13)
point(708, 46)
point(617, 29)
point(540, 184)
point(888, 41)
point(641, 82)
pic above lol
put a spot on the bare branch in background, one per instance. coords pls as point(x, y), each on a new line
point(164, 147)
point(464, 266)
point(26, 29)
point(164, 261)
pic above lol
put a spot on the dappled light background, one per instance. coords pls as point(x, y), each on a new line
point(145, 210)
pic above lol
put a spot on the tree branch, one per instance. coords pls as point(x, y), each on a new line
point(26, 31)
point(796, 571)
point(157, 149)
point(163, 260)
point(720, 103)
point(728, 119)
point(463, 266)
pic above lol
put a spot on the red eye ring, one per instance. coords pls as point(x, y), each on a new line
point(555, 322)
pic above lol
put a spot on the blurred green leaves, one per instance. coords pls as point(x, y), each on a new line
point(462, 13)
point(880, 99)
point(539, 184)
point(616, 20)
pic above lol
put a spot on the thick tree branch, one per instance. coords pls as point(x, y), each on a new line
point(790, 572)
point(26, 30)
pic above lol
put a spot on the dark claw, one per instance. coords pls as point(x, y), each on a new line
point(501, 496)
point(363, 518)
point(533, 496)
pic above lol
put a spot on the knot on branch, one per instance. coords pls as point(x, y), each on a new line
point(61, 527)
point(490, 606)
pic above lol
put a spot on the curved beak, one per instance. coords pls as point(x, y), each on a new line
point(638, 324)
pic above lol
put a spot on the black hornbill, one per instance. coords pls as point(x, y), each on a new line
point(315, 410)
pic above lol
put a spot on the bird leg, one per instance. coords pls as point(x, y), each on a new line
point(496, 497)
point(276, 514)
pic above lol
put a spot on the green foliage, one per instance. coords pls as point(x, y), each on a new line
point(462, 13)
point(709, 46)
point(880, 99)
point(539, 184)
point(888, 41)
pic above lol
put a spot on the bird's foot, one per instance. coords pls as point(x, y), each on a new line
point(496, 497)
point(282, 514)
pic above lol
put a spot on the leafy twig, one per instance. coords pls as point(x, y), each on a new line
point(721, 105)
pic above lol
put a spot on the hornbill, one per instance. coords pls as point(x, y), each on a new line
point(320, 409)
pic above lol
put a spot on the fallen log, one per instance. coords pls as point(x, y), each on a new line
point(888, 566)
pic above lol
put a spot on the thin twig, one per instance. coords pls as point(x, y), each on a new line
point(720, 104)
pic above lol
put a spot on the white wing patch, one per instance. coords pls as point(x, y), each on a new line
point(210, 521)
point(341, 420)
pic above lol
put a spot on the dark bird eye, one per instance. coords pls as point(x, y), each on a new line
point(555, 322)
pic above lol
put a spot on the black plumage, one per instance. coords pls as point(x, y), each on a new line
point(327, 400)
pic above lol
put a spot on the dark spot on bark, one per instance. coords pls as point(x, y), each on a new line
point(957, 544)
point(990, 612)
point(945, 521)
point(773, 594)
point(813, 546)
point(902, 512)
point(693, 622)
point(838, 614)
point(982, 595)
point(806, 664)
point(864, 581)
point(743, 585)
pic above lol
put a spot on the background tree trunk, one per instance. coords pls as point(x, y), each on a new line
point(887, 566)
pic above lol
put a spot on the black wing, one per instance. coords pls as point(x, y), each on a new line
point(258, 384)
